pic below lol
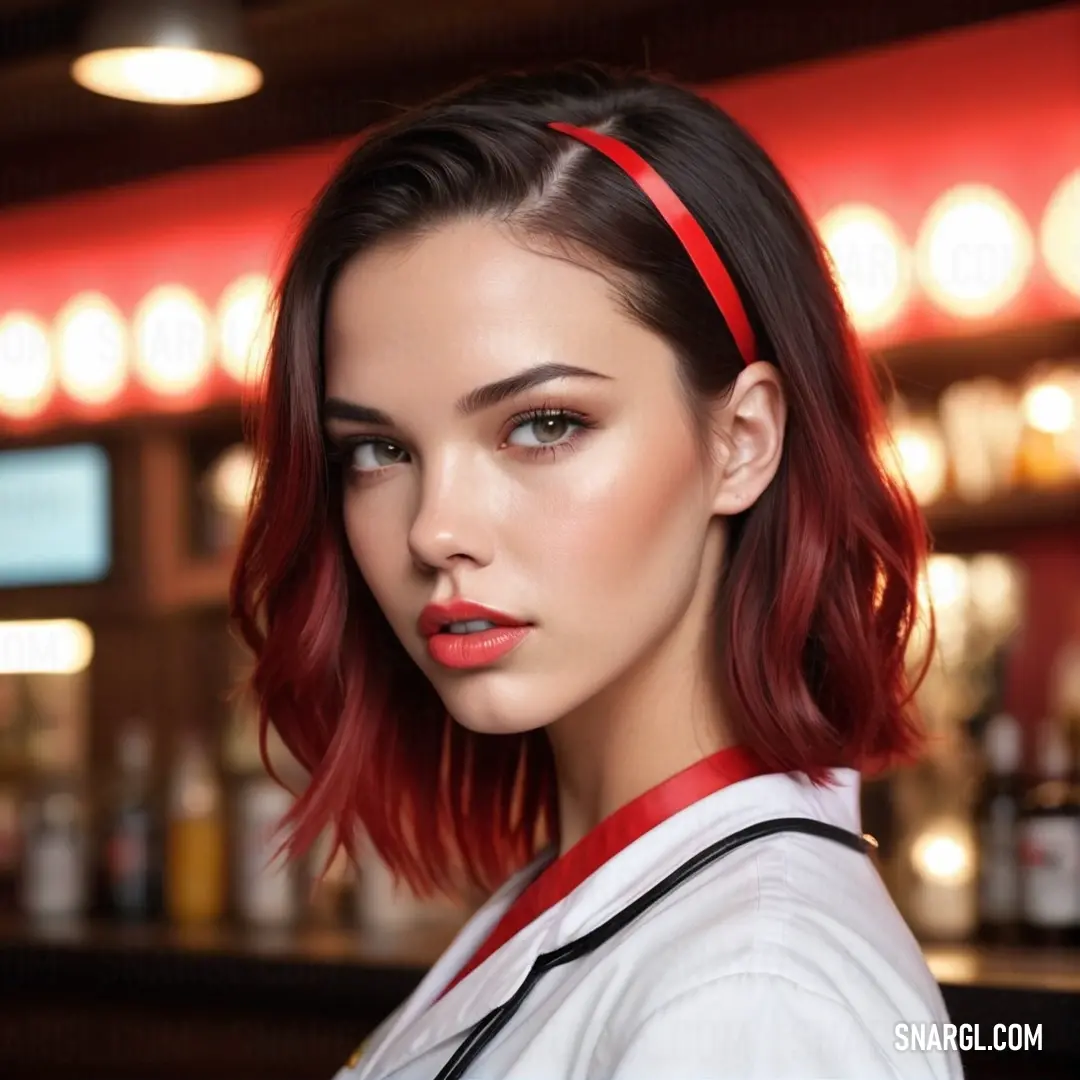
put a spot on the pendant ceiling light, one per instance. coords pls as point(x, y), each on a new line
point(170, 52)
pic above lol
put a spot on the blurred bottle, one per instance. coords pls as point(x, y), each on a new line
point(266, 885)
point(1050, 845)
point(383, 904)
point(132, 842)
point(9, 847)
point(12, 767)
point(998, 817)
point(982, 422)
point(387, 905)
point(1065, 681)
point(1049, 405)
point(267, 882)
point(55, 878)
point(327, 881)
point(195, 871)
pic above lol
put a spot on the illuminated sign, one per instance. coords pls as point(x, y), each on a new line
point(55, 515)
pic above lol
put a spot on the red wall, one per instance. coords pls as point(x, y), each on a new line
point(998, 104)
point(200, 228)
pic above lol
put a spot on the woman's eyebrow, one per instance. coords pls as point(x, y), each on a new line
point(483, 397)
point(339, 409)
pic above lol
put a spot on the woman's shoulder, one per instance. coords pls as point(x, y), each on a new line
point(786, 945)
point(764, 1022)
point(826, 925)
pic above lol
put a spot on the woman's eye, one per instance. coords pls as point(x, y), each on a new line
point(543, 430)
point(375, 454)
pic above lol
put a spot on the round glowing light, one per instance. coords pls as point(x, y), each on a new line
point(871, 260)
point(172, 340)
point(943, 855)
point(46, 646)
point(232, 479)
point(1059, 236)
point(917, 454)
point(924, 464)
point(996, 591)
point(1049, 407)
point(244, 326)
point(944, 591)
point(945, 583)
point(167, 75)
point(974, 251)
point(27, 375)
point(92, 349)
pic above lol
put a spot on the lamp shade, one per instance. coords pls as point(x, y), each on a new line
point(171, 52)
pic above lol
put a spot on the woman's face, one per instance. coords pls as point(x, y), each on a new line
point(511, 438)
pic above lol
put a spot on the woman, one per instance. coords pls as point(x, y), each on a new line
point(572, 556)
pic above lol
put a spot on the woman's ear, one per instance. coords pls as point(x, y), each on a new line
point(747, 438)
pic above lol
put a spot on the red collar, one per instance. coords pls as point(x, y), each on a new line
point(616, 832)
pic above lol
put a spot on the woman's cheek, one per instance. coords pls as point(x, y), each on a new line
point(605, 518)
point(379, 545)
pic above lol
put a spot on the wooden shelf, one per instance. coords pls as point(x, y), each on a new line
point(921, 370)
point(1006, 968)
point(417, 948)
point(957, 521)
point(129, 426)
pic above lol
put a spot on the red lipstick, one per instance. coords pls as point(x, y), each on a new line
point(453, 644)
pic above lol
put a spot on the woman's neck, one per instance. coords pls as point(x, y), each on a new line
point(660, 718)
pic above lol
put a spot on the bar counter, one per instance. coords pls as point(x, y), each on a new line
point(94, 1001)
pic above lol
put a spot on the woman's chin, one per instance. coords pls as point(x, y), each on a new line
point(489, 706)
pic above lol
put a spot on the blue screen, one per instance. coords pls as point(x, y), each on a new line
point(55, 515)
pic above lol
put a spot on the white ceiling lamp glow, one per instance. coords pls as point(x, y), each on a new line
point(92, 349)
point(1059, 236)
point(172, 340)
point(27, 374)
point(974, 251)
point(167, 52)
point(872, 265)
point(243, 321)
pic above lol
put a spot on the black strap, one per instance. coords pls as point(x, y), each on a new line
point(487, 1028)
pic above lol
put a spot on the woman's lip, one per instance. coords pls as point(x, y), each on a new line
point(436, 616)
point(465, 652)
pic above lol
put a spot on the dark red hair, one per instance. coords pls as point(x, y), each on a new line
point(819, 597)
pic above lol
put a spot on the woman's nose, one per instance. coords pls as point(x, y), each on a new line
point(452, 521)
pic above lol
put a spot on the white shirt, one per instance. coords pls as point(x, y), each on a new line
point(785, 959)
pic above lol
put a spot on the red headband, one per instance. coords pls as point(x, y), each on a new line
point(692, 237)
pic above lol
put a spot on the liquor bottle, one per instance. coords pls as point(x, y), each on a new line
point(267, 883)
point(195, 872)
point(1050, 846)
point(132, 842)
point(327, 883)
point(55, 871)
point(56, 858)
point(10, 847)
point(998, 820)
